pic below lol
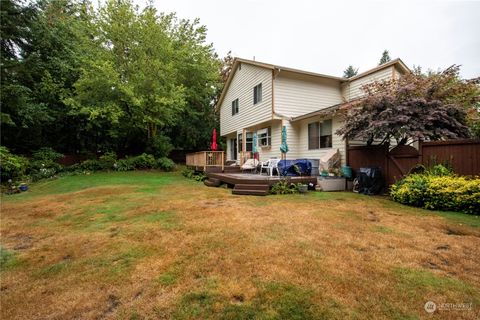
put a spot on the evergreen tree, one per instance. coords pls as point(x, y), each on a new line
point(385, 57)
point(350, 72)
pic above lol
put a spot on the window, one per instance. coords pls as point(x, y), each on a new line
point(249, 142)
point(234, 107)
point(233, 148)
point(264, 137)
point(257, 93)
point(326, 134)
point(313, 135)
point(320, 135)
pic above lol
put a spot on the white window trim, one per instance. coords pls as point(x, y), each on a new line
point(319, 135)
point(268, 137)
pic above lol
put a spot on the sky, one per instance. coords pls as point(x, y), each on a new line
point(327, 36)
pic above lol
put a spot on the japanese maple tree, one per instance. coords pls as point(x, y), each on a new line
point(433, 106)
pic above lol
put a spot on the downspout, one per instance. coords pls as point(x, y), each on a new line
point(274, 76)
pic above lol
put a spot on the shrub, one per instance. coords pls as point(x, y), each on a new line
point(44, 164)
point(160, 146)
point(188, 173)
point(143, 161)
point(107, 160)
point(124, 165)
point(284, 187)
point(165, 164)
point(454, 194)
point(91, 165)
point(191, 174)
point(438, 189)
point(46, 154)
point(12, 166)
point(439, 171)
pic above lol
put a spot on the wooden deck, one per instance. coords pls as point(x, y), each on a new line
point(206, 160)
point(256, 179)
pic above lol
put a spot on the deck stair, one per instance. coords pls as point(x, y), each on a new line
point(212, 182)
point(251, 189)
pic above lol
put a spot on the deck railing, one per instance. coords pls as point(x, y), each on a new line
point(205, 159)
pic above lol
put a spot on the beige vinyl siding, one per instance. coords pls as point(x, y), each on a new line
point(295, 94)
point(241, 87)
point(273, 151)
point(302, 139)
point(354, 90)
point(398, 73)
point(266, 152)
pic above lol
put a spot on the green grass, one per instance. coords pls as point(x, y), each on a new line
point(413, 282)
point(274, 300)
point(8, 260)
point(460, 218)
point(167, 278)
point(167, 219)
point(54, 269)
point(383, 229)
point(454, 217)
point(114, 264)
point(145, 181)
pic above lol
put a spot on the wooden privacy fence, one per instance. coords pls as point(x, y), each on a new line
point(463, 156)
point(205, 159)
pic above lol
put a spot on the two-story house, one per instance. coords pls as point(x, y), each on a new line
point(262, 98)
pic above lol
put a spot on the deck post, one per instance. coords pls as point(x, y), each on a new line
point(223, 160)
point(244, 146)
point(205, 163)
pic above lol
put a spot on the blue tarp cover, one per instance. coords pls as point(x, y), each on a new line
point(286, 167)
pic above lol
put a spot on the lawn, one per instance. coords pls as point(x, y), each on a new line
point(155, 245)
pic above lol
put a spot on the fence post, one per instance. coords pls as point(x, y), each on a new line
point(420, 151)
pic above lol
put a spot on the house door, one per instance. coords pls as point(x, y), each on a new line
point(233, 149)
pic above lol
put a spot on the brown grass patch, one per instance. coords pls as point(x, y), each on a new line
point(189, 245)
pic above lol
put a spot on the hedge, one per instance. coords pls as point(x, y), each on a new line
point(439, 189)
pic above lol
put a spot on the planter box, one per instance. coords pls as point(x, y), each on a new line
point(332, 183)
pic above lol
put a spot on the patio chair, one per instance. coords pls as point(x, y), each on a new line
point(250, 164)
point(269, 166)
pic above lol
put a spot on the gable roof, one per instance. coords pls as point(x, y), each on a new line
point(237, 61)
point(398, 62)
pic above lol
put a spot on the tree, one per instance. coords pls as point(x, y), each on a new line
point(385, 57)
point(415, 107)
point(79, 78)
point(42, 49)
point(198, 70)
point(150, 82)
point(226, 68)
point(350, 72)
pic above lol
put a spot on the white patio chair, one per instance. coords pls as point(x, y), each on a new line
point(269, 166)
point(250, 164)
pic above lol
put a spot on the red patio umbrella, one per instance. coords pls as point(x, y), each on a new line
point(214, 145)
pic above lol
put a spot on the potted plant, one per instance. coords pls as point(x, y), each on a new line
point(302, 188)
